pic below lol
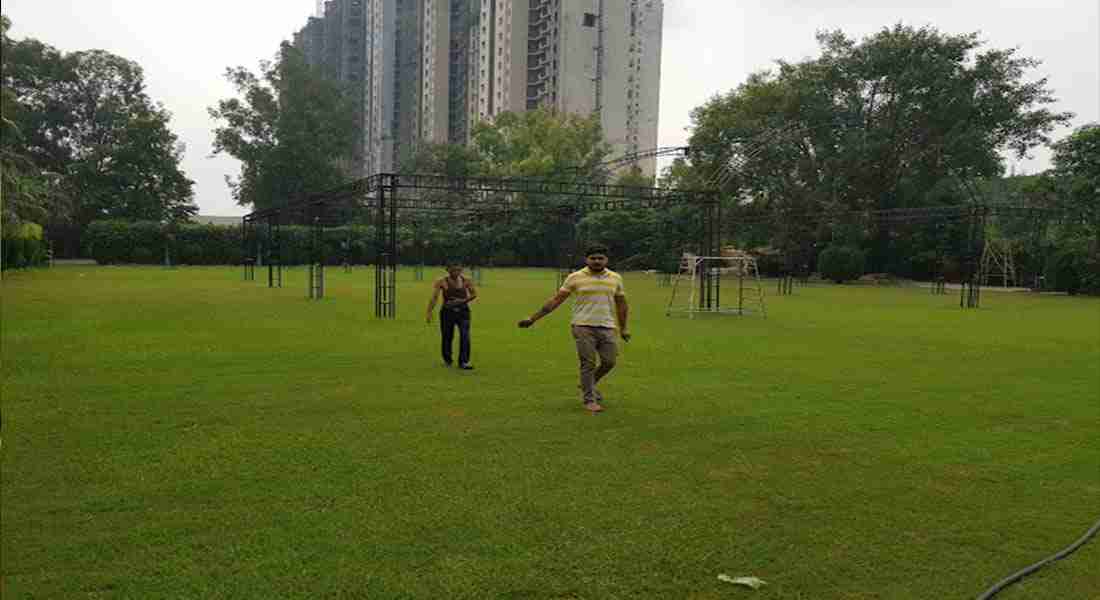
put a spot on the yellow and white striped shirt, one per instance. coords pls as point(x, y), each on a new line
point(594, 297)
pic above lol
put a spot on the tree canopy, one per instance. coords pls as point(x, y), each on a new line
point(885, 122)
point(292, 128)
point(84, 141)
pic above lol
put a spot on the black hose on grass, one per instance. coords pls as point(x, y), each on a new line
point(1011, 579)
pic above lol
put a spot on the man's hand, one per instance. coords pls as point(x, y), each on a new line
point(625, 335)
point(429, 318)
point(524, 324)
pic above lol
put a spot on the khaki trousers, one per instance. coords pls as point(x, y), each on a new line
point(593, 342)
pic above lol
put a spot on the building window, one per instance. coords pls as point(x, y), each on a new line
point(589, 20)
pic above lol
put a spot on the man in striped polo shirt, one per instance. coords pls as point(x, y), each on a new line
point(599, 310)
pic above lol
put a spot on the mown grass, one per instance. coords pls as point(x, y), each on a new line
point(183, 434)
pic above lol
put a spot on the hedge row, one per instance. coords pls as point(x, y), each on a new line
point(147, 242)
point(23, 246)
point(118, 242)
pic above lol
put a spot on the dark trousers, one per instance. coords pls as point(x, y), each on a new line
point(448, 320)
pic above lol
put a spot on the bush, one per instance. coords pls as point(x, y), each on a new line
point(841, 263)
point(505, 258)
point(1074, 269)
point(23, 246)
point(143, 255)
point(638, 262)
point(144, 242)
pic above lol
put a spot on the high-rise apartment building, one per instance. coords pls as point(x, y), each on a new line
point(429, 70)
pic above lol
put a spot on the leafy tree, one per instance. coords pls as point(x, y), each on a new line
point(84, 129)
point(293, 129)
point(1074, 265)
point(841, 263)
point(26, 196)
point(1077, 178)
point(541, 143)
point(875, 124)
point(452, 160)
point(124, 160)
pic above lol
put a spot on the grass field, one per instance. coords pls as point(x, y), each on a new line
point(184, 434)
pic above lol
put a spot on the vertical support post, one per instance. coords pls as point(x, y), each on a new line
point(970, 294)
point(710, 245)
point(317, 253)
point(418, 243)
point(741, 288)
point(567, 244)
point(385, 279)
point(276, 252)
point(270, 245)
point(246, 260)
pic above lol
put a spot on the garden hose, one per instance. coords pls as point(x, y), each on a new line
point(1011, 579)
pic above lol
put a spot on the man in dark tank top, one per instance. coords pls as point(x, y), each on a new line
point(458, 292)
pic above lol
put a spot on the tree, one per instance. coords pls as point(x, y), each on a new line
point(541, 143)
point(872, 125)
point(293, 129)
point(1075, 181)
point(92, 134)
point(26, 196)
point(1077, 178)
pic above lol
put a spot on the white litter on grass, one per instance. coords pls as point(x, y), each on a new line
point(749, 582)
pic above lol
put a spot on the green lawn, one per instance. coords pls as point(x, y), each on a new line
point(184, 434)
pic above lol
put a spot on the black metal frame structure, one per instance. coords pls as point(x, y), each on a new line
point(384, 200)
point(975, 216)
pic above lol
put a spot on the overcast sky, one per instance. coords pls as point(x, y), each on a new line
point(710, 46)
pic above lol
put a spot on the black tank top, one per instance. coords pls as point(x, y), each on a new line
point(454, 293)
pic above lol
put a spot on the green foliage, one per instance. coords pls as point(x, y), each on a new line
point(841, 263)
point(145, 242)
point(23, 245)
point(886, 122)
point(1076, 179)
point(25, 190)
point(83, 140)
point(293, 129)
point(541, 143)
point(1073, 268)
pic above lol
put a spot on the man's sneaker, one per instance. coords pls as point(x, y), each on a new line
point(593, 407)
point(446, 364)
point(466, 367)
point(599, 396)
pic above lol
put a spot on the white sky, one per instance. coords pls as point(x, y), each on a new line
point(709, 47)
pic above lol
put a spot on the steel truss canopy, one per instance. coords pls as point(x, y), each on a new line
point(385, 199)
point(443, 193)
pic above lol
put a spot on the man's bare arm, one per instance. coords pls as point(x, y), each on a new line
point(622, 310)
point(551, 305)
point(435, 297)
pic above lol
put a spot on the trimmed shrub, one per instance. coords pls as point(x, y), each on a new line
point(143, 255)
point(841, 263)
point(1074, 269)
point(24, 246)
